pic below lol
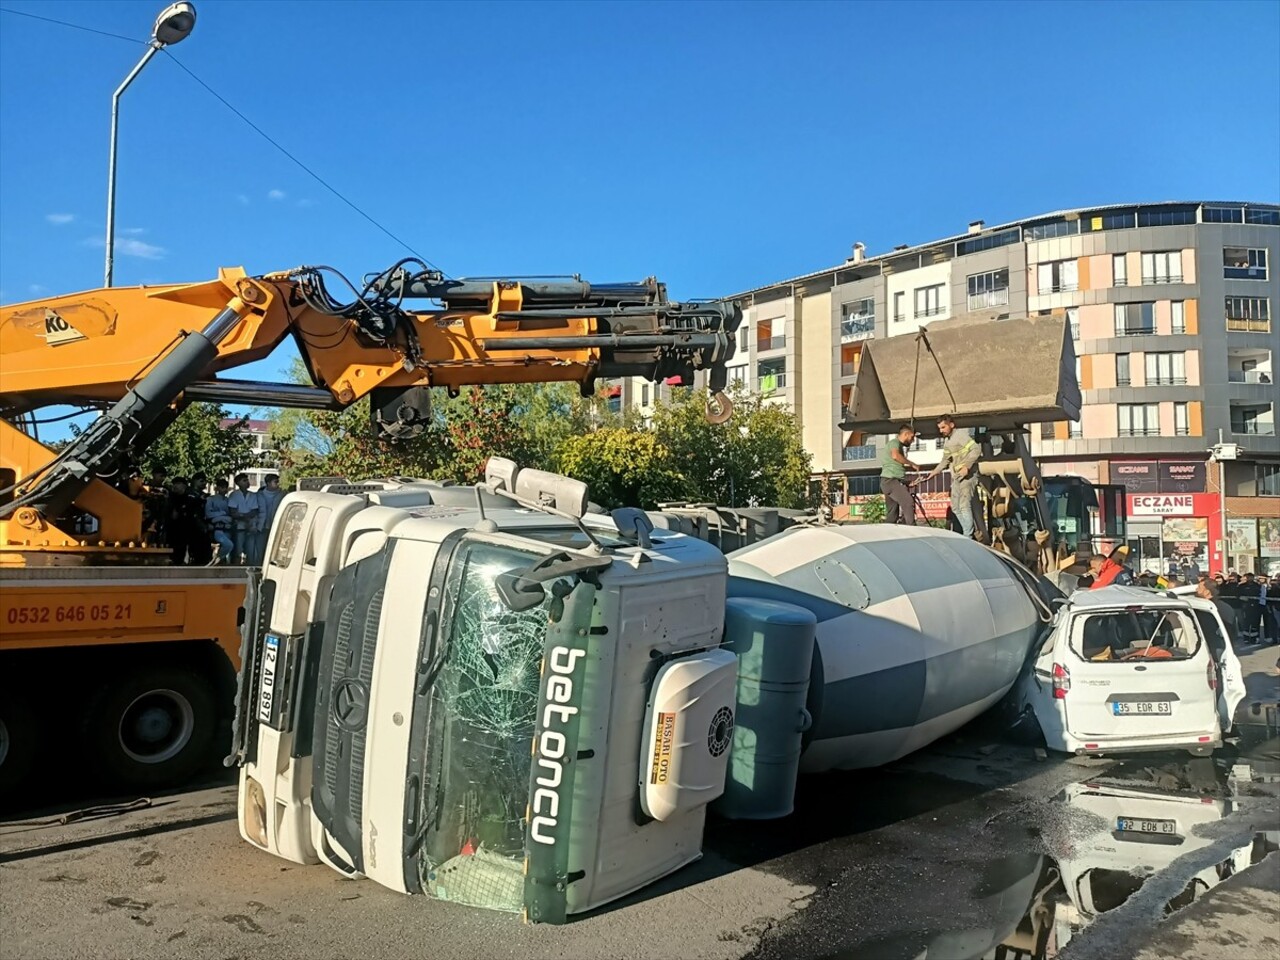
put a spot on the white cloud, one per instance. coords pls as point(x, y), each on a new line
point(140, 249)
point(37, 289)
point(135, 231)
point(306, 203)
point(59, 219)
point(275, 194)
point(242, 199)
point(129, 247)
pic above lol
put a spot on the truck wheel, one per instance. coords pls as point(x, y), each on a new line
point(152, 727)
point(17, 743)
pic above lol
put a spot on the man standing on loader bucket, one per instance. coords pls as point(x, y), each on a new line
point(898, 505)
point(961, 452)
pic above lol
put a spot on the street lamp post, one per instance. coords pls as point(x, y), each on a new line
point(174, 25)
point(1222, 452)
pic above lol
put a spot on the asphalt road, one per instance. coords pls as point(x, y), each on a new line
point(943, 852)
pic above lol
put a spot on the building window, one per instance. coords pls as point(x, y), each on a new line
point(765, 338)
point(1046, 430)
point(1122, 370)
point(1181, 420)
point(1060, 276)
point(858, 319)
point(1166, 217)
point(1135, 319)
point(1107, 221)
point(1267, 479)
point(988, 289)
point(644, 395)
point(1139, 419)
point(1270, 218)
point(1054, 228)
point(1075, 429)
point(1166, 369)
point(1120, 270)
point(1073, 321)
point(1244, 263)
point(1179, 310)
point(771, 375)
point(899, 311)
point(743, 344)
point(929, 300)
point(1162, 267)
point(1223, 215)
point(989, 242)
point(1248, 314)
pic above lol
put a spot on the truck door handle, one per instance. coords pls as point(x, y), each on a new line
point(1139, 668)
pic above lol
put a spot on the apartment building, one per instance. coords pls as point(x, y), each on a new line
point(1170, 306)
point(266, 458)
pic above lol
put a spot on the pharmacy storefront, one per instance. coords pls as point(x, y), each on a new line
point(1172, 531)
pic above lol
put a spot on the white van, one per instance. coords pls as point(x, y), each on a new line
point(1124, 670)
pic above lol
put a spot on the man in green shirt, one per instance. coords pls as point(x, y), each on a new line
point(898, 505)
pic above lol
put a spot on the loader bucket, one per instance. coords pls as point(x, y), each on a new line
point(998, 374)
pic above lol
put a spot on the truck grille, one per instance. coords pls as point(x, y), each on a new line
point(343, 699)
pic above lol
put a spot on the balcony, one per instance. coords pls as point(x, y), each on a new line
point(770, 382)
point(849, 368)
point(770, 343)
point(857, 328)
point(928, 312)
point(1152, 279)
point(1248, 376)
point(1141, 331)
point(1242, 325)
point(1253, 428)
point(1166, 381)
point(866, 451)
point(1059, 288)
point(1139, 431)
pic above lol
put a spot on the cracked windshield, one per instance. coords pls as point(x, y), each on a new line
point(483, 707)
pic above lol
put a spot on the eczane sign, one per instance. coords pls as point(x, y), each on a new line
point(1161, 505)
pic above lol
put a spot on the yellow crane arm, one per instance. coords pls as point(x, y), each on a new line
point(148, 351)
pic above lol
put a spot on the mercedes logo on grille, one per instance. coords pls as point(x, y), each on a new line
point(350, 704)
point(720, 733)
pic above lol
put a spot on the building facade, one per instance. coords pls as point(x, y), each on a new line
point(266, 458)
point(1170, 307)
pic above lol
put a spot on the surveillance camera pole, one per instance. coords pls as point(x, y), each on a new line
point(152, 48)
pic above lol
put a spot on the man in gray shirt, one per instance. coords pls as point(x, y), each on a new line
point(961, 452)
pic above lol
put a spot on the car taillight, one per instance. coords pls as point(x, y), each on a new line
point(1212, 676)
point(1061, 681)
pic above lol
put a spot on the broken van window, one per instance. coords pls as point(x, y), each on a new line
point(1135, 634)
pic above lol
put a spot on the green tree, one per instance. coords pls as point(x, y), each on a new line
point(198, 442)
point(756, 458)
point(623, 468)
point(872, 510)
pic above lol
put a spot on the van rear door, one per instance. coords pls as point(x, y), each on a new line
point(1138, 672)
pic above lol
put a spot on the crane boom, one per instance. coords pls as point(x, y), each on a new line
point(143, 353)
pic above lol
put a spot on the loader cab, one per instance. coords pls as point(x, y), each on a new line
point(1086, 515)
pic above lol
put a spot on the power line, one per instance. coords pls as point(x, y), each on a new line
point(73, 26)
point(223, 100)
point(315, 176)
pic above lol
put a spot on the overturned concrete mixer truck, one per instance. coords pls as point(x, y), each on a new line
point(493, 696)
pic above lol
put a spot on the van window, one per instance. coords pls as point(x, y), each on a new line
point(1135, 634)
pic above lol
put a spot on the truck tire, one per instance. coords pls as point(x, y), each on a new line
point(18, 746)
point(152, 726)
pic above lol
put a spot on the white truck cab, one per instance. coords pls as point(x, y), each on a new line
point(1124, 670)
point(435, 678)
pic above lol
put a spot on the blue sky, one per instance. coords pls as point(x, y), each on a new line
point(718, 146)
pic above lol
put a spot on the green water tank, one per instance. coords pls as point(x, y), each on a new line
point(774, 645)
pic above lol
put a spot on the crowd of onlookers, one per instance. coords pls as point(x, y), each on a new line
point(1256, 601)
point(203, 523)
